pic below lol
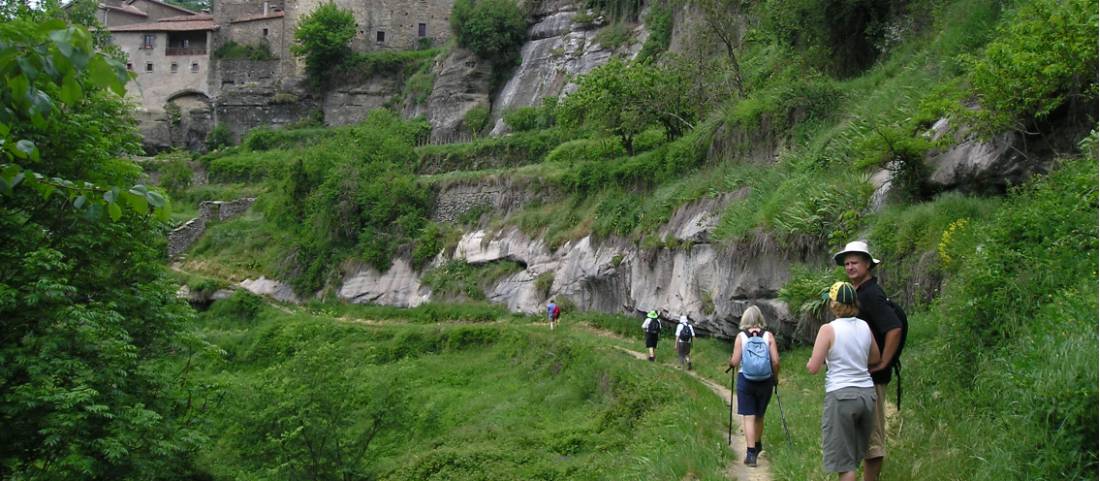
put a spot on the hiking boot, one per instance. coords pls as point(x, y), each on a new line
point(651, 358)
point(689, 365)
point(750, 458)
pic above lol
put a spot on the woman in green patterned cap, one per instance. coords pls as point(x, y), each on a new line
point(652, 328)
point(847, 346)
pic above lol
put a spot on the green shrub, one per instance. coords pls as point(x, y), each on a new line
point(659, 23)
point(323, 39)
point(523, 119)
point(219, 137)
point(234, 51)
point(403, 63)
point(242, 306)
point(476, 119)
point(243, 168)
point(615, 35)
point(419, 87)
point(543, 283)
point(457, 279)
point(433, 238)
point(617, 9)
point(586, 150)
point(1042, 56)
point(176, 173)
point(618, 214)
point(492, 29)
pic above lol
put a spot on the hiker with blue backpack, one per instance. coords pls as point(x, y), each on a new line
point(848, 347)
point(889, 327)
point(685, 334)
point(756, 354)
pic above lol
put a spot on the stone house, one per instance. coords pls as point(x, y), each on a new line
point(178, 82)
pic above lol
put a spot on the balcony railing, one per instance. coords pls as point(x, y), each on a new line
point(185, 51)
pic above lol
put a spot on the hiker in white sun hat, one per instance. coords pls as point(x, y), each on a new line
point(855, 247)
point(876, 309)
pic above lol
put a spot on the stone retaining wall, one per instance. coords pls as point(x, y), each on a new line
point(185, 235)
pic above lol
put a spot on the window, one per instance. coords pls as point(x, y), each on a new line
point(422, 30)
point(380, 37)
point(148, 41)
point(265, 32)
point(186, 43)
point(148, 66)
point(195, 67)
point(175, 67)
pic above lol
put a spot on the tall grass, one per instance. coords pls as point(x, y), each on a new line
point(502, 401)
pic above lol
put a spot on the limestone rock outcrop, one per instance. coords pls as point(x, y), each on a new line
point(461, 84)
point(710, 283)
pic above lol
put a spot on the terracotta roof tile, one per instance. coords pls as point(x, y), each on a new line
point(127, 9)
point(169, 5)
point(173, 26)
point(187, 18)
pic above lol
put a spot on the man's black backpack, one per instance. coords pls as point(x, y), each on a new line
point(654, 326)
point(685, 333)
point(900, 313)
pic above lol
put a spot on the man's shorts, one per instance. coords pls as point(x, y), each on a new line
point(683, 348)
point(651, 339)
point(753, 396)
point(846, 422)
point(877, 448)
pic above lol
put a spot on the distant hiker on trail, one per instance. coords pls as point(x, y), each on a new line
point(553, 312)
point(886, 327)
point(685, 334)
point(756, 353)
point(652, 328)
point(848, 417)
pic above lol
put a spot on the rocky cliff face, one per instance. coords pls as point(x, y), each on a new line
point(557, 50)
point(711, 284)
point(461, 84)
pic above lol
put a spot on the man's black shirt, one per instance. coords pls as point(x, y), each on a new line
point(874, 309)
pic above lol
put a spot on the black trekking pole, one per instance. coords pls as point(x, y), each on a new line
point(781, 415)
point(733, 389)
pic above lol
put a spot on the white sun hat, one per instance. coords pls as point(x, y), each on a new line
point(854, 247)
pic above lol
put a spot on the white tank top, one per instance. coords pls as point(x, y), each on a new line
point(847, 359)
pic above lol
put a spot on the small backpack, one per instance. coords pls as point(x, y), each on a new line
point(557, 311)
point(654, 326)
point(756, 358)
point(685, 333)
point(900, 313)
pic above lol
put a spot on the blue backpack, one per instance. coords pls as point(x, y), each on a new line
point(756, 358)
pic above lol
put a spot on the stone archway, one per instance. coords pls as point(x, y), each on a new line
point(189, 115)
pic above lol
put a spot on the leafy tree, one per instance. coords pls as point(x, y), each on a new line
point(492, 29)
point(624, 99)
point(87, 312)
point(724, 22)
point(323, 39)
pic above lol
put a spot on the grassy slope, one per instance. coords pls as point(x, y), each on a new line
point(482, 401)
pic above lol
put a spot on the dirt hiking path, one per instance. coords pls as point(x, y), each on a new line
point(737, 470)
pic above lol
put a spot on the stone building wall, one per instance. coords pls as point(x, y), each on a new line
point(151, 89)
